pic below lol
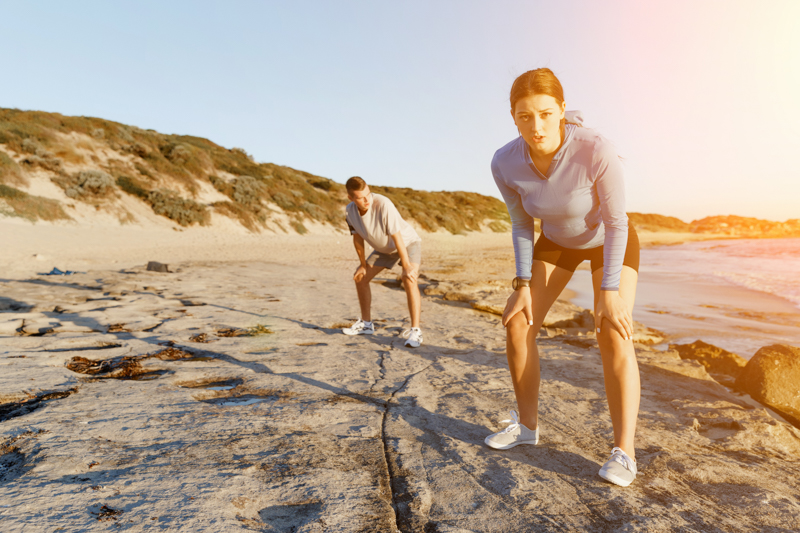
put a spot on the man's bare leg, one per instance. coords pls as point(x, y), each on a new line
point(364, 292)
point(413, 296)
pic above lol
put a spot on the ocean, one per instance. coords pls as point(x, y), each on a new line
point(736, 294)
point(770, 266)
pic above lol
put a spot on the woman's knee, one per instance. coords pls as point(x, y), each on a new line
point(518, 326)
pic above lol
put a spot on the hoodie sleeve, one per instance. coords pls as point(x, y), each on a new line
point(607, 170)
point(522, 224)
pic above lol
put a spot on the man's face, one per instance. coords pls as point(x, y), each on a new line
point(362, 199)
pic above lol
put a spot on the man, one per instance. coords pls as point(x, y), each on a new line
point(374, 218)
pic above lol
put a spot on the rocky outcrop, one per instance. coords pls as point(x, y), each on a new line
point(730, 225)
point(725, 366)
point(564, 317)
point(772, 377)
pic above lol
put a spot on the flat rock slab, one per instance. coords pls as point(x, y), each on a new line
point(296, 427)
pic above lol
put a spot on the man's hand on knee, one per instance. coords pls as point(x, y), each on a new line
point(359, 274)
point(410, 274)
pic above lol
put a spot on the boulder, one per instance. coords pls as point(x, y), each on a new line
point(715, 359)
point(154, 266)
point(772, 377)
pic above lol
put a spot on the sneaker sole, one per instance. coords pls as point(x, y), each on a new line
point(357, 332)
point(509, 446)
point(412, 345)
point(611, 478)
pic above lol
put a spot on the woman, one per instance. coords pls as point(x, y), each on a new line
point(571, 178)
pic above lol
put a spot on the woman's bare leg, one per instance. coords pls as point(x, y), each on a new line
point(620, 370)
point(547, 282)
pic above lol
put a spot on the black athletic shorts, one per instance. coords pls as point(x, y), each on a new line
point(569, 258)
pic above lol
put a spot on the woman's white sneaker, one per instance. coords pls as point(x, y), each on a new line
point(360, 328)
point(619, 469)
point(413, 337)
point(513, 435)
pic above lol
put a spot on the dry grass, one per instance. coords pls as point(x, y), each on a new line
point(156, 167)
point(10, 173)
point(31, 207)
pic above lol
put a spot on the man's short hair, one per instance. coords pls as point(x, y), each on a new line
point(355, 184)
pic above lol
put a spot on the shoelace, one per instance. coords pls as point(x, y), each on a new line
point(622, 458)
point(407, 333)
point(513, 426)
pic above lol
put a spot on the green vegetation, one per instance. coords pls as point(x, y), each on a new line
point(185, 212)
point(153, 167)
point(87, 185)
point(31, 207)
point(453, 211)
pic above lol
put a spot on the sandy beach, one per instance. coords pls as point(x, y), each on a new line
point(235, 403)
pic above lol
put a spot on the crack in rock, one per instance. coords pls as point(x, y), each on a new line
point(405, 518)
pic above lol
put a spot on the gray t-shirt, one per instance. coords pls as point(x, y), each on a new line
point(379, 223)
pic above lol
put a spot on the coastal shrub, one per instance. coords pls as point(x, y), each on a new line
point(30, 146)
point(456, 211)
point(179, 154)
point(299, 227)
point(247, 190)
point(284, 201)
point(499, 227)
point(221, 185)
point(31, 207)
point(323, 184)
point(47, 162)
point(87, 185)
point(243, 152)
point(185, 159)
point(10, 171)
point(183, 211)
point(250, 218)
point(132, 187)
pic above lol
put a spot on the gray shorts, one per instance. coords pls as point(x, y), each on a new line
point(389, 261)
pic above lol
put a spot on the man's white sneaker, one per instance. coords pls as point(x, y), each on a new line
point(619, 469)
point(360, 328)
point(413, 337)
point(513, 435)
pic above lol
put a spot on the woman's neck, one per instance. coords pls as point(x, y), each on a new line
point(542, 161)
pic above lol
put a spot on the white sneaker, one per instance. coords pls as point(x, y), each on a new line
point(413, 337)
point(513, 435)
point(360, 328)
point(619, 469)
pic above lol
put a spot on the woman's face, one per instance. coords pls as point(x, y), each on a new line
point(538, 119)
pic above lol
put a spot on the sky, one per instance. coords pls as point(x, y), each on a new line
point(700, 97)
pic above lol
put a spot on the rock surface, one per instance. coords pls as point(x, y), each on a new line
point(772, 377)
point(278, 422)
point(563, 317)
point(716, 360)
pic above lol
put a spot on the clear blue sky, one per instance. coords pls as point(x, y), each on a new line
point(700, 97)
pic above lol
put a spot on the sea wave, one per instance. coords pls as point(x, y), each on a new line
point(786, 287)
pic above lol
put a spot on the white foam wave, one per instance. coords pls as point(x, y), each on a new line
point(785, 286)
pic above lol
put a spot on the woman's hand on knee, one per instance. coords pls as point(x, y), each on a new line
point(614, 309)
point(519, 301)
